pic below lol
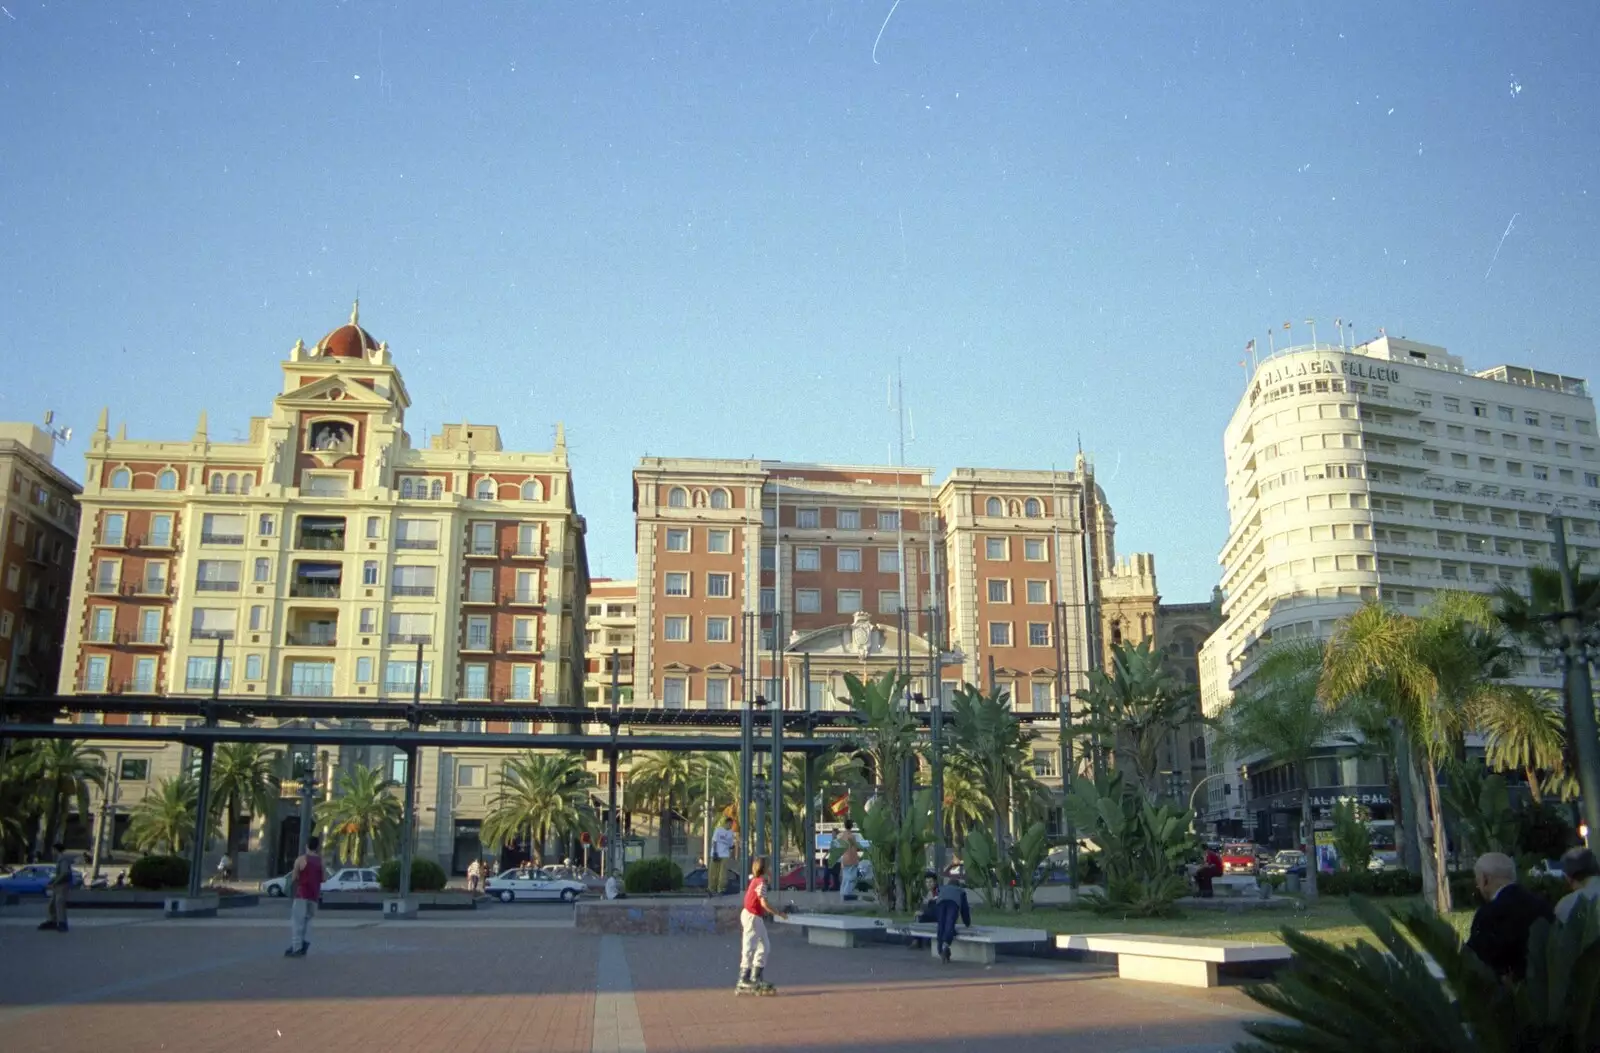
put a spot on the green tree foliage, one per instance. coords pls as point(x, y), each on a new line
point(1143, 845)
point(887, 736)
point(1134, 709)
point(363, 816)
point(1385, 999)
point(897, 846)
point(426, 876)
point(540, 796)
point(1479, 807)
point(163, 822)
point(664, 783)
point(154, 873)
point(1524, 732)
point(1279, 713)
point(244, 776)
point(1351, 838)
point(993, 745)
point(64, 770)
point(657, 874)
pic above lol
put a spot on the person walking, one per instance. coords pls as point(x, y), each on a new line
point(1579, 867)
point(1500, 928)
point(722, 849)
point(849, 860)
point(753, 943)
point(472, 876)
point(60, 883)
point(951, 901)
point(307, 880)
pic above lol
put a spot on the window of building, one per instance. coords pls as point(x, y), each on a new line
point(769, 558)
point(478, 632)
point(999, 634)
point(121, 479)
point(849, 560)
point(1041, 692)
point(482, 539)
point(485, 491)
point(994, 548)
point(808, 559)
point(719, 542)
point(888, 561)
point(533, 490)
point(364, 670)
point(202, 674)
point(889, 520)
point(1505, 413)
point(475, 680)
point(808, 601)
point(150, 625)
point(252, 667)
point(1038, 634)
point(889, 601)
point(527, 587)
point(401, 677)
point(522, 683)
point(369, 572)
point(101, 622)
point(999, 590)
point(849, 519)
point(677, 628)
point(1559, 423)
point(993, 507)
point(95, 671)
point(161, 531)
point(719, 585)
point(719, 629)
point(1032, 508)
point(769, 517)
point(719, 498)
point(677, 497)
point(806, 518)
point(167, 479)
point(1033, 549)
point(369, 620)
point(677, 583)
point(1038, 592)
point(677, 539)
point(217, 575)
point(716, 692)
point(263, 570)
point(847, 601)
point(674, 691)
point(113, 529)
point(769, 602)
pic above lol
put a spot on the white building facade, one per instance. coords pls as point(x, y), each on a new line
point(1390, 471)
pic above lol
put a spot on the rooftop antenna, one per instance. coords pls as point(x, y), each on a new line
point(62, 436)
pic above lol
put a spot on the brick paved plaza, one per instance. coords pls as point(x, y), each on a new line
point(520, 980)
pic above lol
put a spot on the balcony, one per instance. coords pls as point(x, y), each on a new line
point(426, 639)
point(481, 597)
point(94, 685)
point(311, 638)
point(103, 587)
point(204, 683)
point(522, 552)
point(320, 533)
point(100, 636)
point(319, 590)
point(210, 634)
point(138, 686)
point(153, 587)
point(208, 538)
point(216, 586)
point(481, 551)
point(316, 581)
point(526, 597)
point(159, 540)
point(419, 544)
point(311, 689)
point(521, 645)
point(412, 590)
point(141, 639)
point(117, 539)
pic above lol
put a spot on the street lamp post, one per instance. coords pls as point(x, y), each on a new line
point(1193, 825)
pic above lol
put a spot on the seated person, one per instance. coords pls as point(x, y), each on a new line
point(614, 887)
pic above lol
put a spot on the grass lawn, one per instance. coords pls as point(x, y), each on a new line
point(1328, 919)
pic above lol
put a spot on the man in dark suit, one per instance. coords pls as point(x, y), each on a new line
point(1500, 927)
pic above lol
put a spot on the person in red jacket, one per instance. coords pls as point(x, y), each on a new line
point(753, 944)
point(1210, 869)
point(306, 879)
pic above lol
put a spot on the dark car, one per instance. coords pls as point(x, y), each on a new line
point(696, 879)
point(34, 880)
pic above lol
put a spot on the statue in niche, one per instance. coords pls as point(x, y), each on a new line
point(332, 437)
point(275, 459)
point(865, 638)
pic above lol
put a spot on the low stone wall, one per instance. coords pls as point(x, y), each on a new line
point(143, 899)
point(375, 900)
point(669, 917)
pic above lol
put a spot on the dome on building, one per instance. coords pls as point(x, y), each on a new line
point(349, 340)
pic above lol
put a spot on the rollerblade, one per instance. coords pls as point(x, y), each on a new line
point(762, 986)
point(745, 985)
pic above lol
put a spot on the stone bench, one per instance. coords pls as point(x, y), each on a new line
point(835, 930)
point(1180, 960)
point(978, 943)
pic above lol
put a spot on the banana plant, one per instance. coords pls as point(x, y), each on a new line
point(987, 869)
point(1028, 853)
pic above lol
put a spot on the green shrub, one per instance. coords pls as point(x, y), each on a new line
point(1464, 888)
point(159, 872)
point(426, 876)
point(658, 874)
point(1368, 883)
point(1396, 883)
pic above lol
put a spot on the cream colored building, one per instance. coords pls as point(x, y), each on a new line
point(1383, 471)
point(321, 557)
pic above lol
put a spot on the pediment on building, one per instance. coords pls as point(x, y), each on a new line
point(676, 667)
point(1042, 672)
point(334, 391)
point(858, 639)
point(719, 667)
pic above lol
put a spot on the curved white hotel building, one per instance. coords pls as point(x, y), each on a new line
point(1384, 470)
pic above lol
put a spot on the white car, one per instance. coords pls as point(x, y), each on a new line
point(532, 884)
point(352, 879)
point(277, 887)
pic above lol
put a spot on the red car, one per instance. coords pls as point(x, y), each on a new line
point(1238, 857)
point(794, 879)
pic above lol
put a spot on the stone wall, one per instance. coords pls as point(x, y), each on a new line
point(657, 918)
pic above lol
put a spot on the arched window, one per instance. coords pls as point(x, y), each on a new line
point(437, 491)
point(167, 480)
point(992, 507)
point(719, 498)
point(264, 527)
point(485, 489)
point(1116, 631)
point(121, 479)
point(218, 481)
point(532, 491)
point(406, 487)
point(245, 482)
point(677, 497)
point(1032, 509)
point(233, 483)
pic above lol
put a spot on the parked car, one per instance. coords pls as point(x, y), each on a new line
point(352, 879)
point(696, 879)
point(531, 884)
point(794, 879)
point(34, 880)
point(1289, 861)
point(276, 887)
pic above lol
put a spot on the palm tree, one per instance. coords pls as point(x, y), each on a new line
point(65, 769)
point(1279, 713)
point(886, 737)
point(19, 798)
point(1136, 707)
point(714, 789)
point(1433, 673)
point(541, 796)
point(662, 783)
point(965, 805)
point(986, 734)
point(831, 773)
point(163, 821)
point(363, 814)
point(244, 775)
point(1525, 733)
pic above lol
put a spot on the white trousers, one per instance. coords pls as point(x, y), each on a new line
point(753, 942)
point(847, 879)
point(301, 911)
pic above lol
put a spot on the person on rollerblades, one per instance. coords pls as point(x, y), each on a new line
point(753, 944)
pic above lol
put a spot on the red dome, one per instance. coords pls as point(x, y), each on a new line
point(347, 341)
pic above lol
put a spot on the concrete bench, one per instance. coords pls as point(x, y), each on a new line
point(979, 943)
point(835, 930)
point(1173, 959)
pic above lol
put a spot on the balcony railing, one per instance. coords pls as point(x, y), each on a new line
point(524, 643)
point(153, 587)
point(105, 588)
point(526, 596)
point(216, 586)
point(425, 544)
point(155, 541)
point(105, 637)
point(113, 540)
point(522, 552)
point(321, 543)
point(322, 590)
point(139, 687)
point(221, 539)
point(477, 551)
point(203, 683)
point(477, 643)
point(142, 639)
point(411, 638)
point(210, 634)
point(311, 639)
point(480, 596)
point(95, 685)
point(412, 590)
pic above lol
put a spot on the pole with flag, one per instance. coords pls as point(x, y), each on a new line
point(1338, 323)
point(1272, 346)
point(1312, 322)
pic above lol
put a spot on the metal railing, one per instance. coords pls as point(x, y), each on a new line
point(216, 586)
point(411, 638)
point(480, 551)
point(426, 544)
point(210, 634)
point(306, 690)
point(320, 543)
point(526, 596)
point(312, 639)
point(412, 590)
point(321, 590)
point(221, 539)
point(481, 597)
point(522, 552)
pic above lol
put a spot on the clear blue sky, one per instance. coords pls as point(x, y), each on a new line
point(710, 229)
